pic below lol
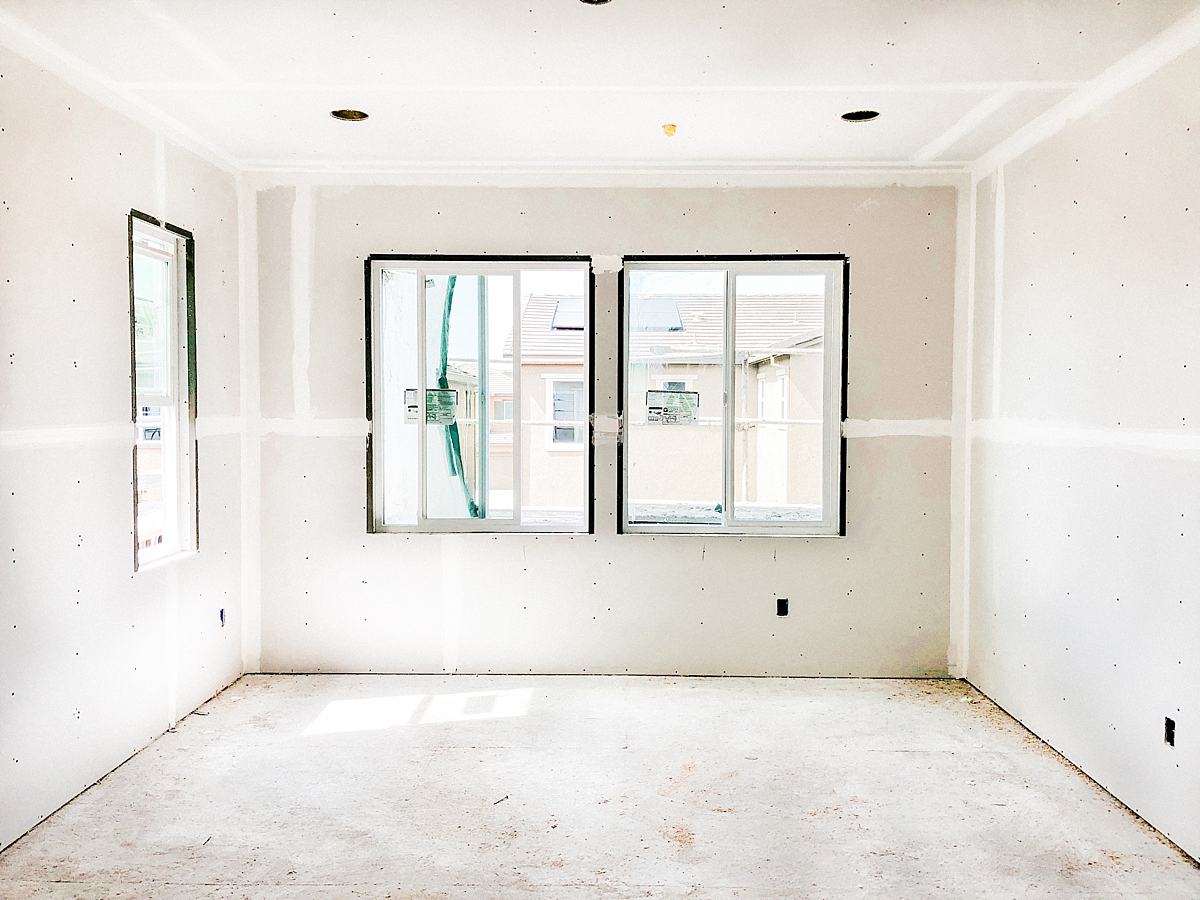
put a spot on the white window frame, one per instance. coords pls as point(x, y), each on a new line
point(154, 239)
point(836, 272)
point(430, 266)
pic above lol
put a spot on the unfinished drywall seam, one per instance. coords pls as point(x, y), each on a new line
point(650, 175)
point(215, 426)
point(1180, 442)
point(26, 41)
point(998, 292)
point(960, 441)
point(251, 438)
point(1167, 46)
point(313, 427)
point(20, 438)
point(973, 119)
point(160, 176)
point(872, 428)
point(454, 568)
point(302, 274)
point(966, 470)
point(171, 577)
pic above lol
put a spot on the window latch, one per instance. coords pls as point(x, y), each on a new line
point(606, 424)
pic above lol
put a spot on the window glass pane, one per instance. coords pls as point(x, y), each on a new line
point(152, 324)
point(498, 397)
point(157, 482)
point(554, 460)
point(450, 370)
point(452, 355)
point(469, 463)
point(674, 441)
point(779, 393)
point(398, 394)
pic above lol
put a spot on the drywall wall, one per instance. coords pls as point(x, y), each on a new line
point(1085, 613)
point(94, 660)
point(337, 599)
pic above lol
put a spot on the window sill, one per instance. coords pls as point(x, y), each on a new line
point(166, 560)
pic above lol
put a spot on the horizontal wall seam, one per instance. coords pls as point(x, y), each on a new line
point(309, 427)
point(1047, 433)
point(872, 428)
point(21, 438)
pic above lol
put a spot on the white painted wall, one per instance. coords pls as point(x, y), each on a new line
point(94, 660)
point(337, 599)
point(1085, 489)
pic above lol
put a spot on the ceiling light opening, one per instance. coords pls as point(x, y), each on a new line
point(860, 115)
point(594, 2)
point(669, 130)
point(349, 115)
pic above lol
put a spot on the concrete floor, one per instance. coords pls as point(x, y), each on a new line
point(581, 787)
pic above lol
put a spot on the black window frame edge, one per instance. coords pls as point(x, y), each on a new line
point(372, 258)
point(845, 371)
point(189, 265)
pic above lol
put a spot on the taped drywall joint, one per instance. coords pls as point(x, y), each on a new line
point(606, 265)
point(302, 258)
point(606, 425)
point(874, 428)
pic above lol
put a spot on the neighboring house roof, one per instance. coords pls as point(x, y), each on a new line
point(766, 325)
point(542, 344)
point(466, 372)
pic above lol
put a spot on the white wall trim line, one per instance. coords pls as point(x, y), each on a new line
point(873, 428)
point(1167, 46)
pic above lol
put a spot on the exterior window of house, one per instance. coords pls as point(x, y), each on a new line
point(477, 375)
point(162, 329)
point(732, 395)
point(569, 402)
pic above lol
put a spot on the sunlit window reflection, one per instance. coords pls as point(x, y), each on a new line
point(479, 705)
point(378, 713)
point(372, 714)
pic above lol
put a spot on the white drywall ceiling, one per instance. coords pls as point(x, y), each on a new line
point(558, 83)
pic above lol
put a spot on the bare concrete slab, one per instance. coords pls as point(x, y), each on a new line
point(575, 787)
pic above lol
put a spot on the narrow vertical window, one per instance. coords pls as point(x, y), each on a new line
point(478, 374)
point(162, 328)
point(732, 395)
